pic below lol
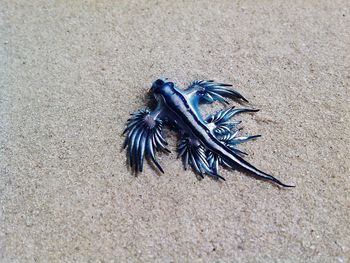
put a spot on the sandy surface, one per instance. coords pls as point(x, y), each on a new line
point(70, 74)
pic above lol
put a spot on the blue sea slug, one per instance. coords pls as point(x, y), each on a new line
point(205, 143)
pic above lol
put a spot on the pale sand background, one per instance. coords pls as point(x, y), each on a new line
point(72, 72)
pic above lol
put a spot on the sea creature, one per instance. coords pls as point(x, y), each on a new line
point(205, 143)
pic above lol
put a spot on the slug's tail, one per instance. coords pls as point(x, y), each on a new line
point(237, 161)
point(226, 135)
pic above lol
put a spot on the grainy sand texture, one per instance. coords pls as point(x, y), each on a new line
point(71, 72)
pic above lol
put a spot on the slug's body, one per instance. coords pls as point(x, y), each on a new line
point(205, 143)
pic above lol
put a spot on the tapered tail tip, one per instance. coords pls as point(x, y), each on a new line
point(282, 184)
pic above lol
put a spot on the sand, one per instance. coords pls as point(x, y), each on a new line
point(71, 72)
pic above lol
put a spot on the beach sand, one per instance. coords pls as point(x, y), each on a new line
point(71, 72)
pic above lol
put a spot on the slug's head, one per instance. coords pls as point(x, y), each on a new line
point(161, 87)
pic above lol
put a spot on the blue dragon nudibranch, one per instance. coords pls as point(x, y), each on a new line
point(205, 143)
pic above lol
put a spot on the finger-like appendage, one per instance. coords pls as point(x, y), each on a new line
point(195, 155)
point(222, 116)
point(209, 91)
point(143, 136)
point(238, 140)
